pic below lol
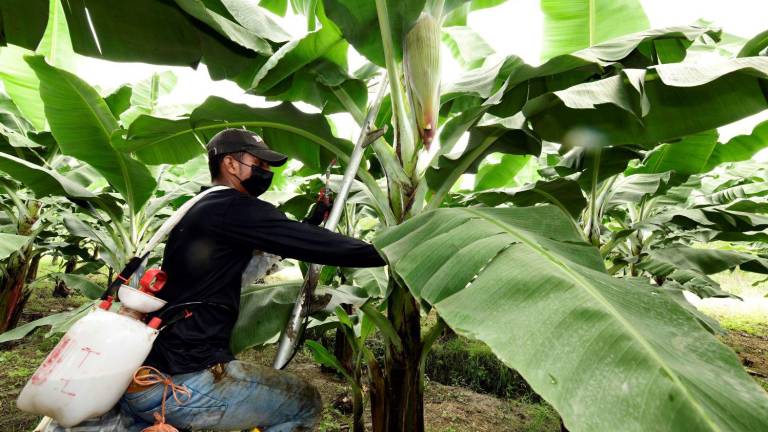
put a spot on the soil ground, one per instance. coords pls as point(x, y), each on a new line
point(447, 408)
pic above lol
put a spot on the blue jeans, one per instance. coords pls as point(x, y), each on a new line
point(243, 397)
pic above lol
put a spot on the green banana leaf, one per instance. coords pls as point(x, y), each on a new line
point(11, 243)
point(326, 44)
point(144, 96)
point(491, 135)
point(564, 193)
point(55, 44)
point(570, 25)
point(264, 310)
point(161, 33)
point(24, 22)
point(510, 171)
point(608, 354)
point(306, 137)
point(359, 24)
point(323, 84)
point(82, 284)
point(632, 189)
point(228, 28)
point(689, 266)
point(59, 323)
point(754, 46)
point(730, 194)
point(41, 180)
point(21, 84)
point(503, 89)
point(253, 18)
point(456, 12)
point(635, 107)
point(82, 124)
point(119, 100)
point(701, 152)
point(466, 46)
point(630, 51)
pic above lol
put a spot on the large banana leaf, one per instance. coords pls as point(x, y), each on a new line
point(660, 104)
point(20, 80)
point(10, 243)
point(690, 266)
point(41, 180)
point(608, 354)
point(491, 135)
point(59, 323)
point(230, 29)
point(359, 24)
point(632, 189)
point(254, 18)
point(161, 33)
point(563, 71)
point(21, 84)
point(23, 22)
point(466, 46)
point(726, 195)
point(306, 137)
point(82, 124)
point(565, 193)
point(755, 46)
point(570, 25)
point(510, 171)
point(264, 310)
point(143, 96)
point(109, 252)
point(700, 153)
point(323, 44)
point(704, 261)
point(503, 89)
point(55, 44)
point(325, 85)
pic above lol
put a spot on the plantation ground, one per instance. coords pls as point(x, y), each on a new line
point(448, 408)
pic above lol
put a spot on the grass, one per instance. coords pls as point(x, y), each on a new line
point(749, 315)
point(462, 362)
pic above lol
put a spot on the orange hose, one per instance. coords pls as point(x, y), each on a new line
point(156, 377)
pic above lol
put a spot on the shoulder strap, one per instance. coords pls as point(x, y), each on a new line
point(138, 261)
point(172, 221)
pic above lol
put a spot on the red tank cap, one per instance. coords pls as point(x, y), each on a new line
point(106, 304)
point(154, 323)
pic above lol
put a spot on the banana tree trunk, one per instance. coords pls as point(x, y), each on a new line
point(342, 349)
point(13, 295)
point(377, 392)
point(404, 403)
point(34, 265)
point(357, 405)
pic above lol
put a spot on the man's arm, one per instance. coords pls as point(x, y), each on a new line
point(259, 225)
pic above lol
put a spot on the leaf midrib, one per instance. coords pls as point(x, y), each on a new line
point(576, 277)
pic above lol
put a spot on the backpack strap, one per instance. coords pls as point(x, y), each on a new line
point(137, 261)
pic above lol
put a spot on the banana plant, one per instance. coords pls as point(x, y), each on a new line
point(355, 334)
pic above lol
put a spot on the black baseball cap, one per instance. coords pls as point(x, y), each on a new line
point(242, 140)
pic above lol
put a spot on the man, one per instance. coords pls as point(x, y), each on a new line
point(204, 259)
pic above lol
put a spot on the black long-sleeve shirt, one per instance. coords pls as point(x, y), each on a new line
point(205, 257)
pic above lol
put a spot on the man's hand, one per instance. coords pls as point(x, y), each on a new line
point(320, 211)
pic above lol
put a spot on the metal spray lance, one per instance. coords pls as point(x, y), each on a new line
point(290, 338)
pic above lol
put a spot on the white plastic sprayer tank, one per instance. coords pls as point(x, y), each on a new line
point(92, 365)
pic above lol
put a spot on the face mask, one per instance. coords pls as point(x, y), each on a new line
point(258, 182)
